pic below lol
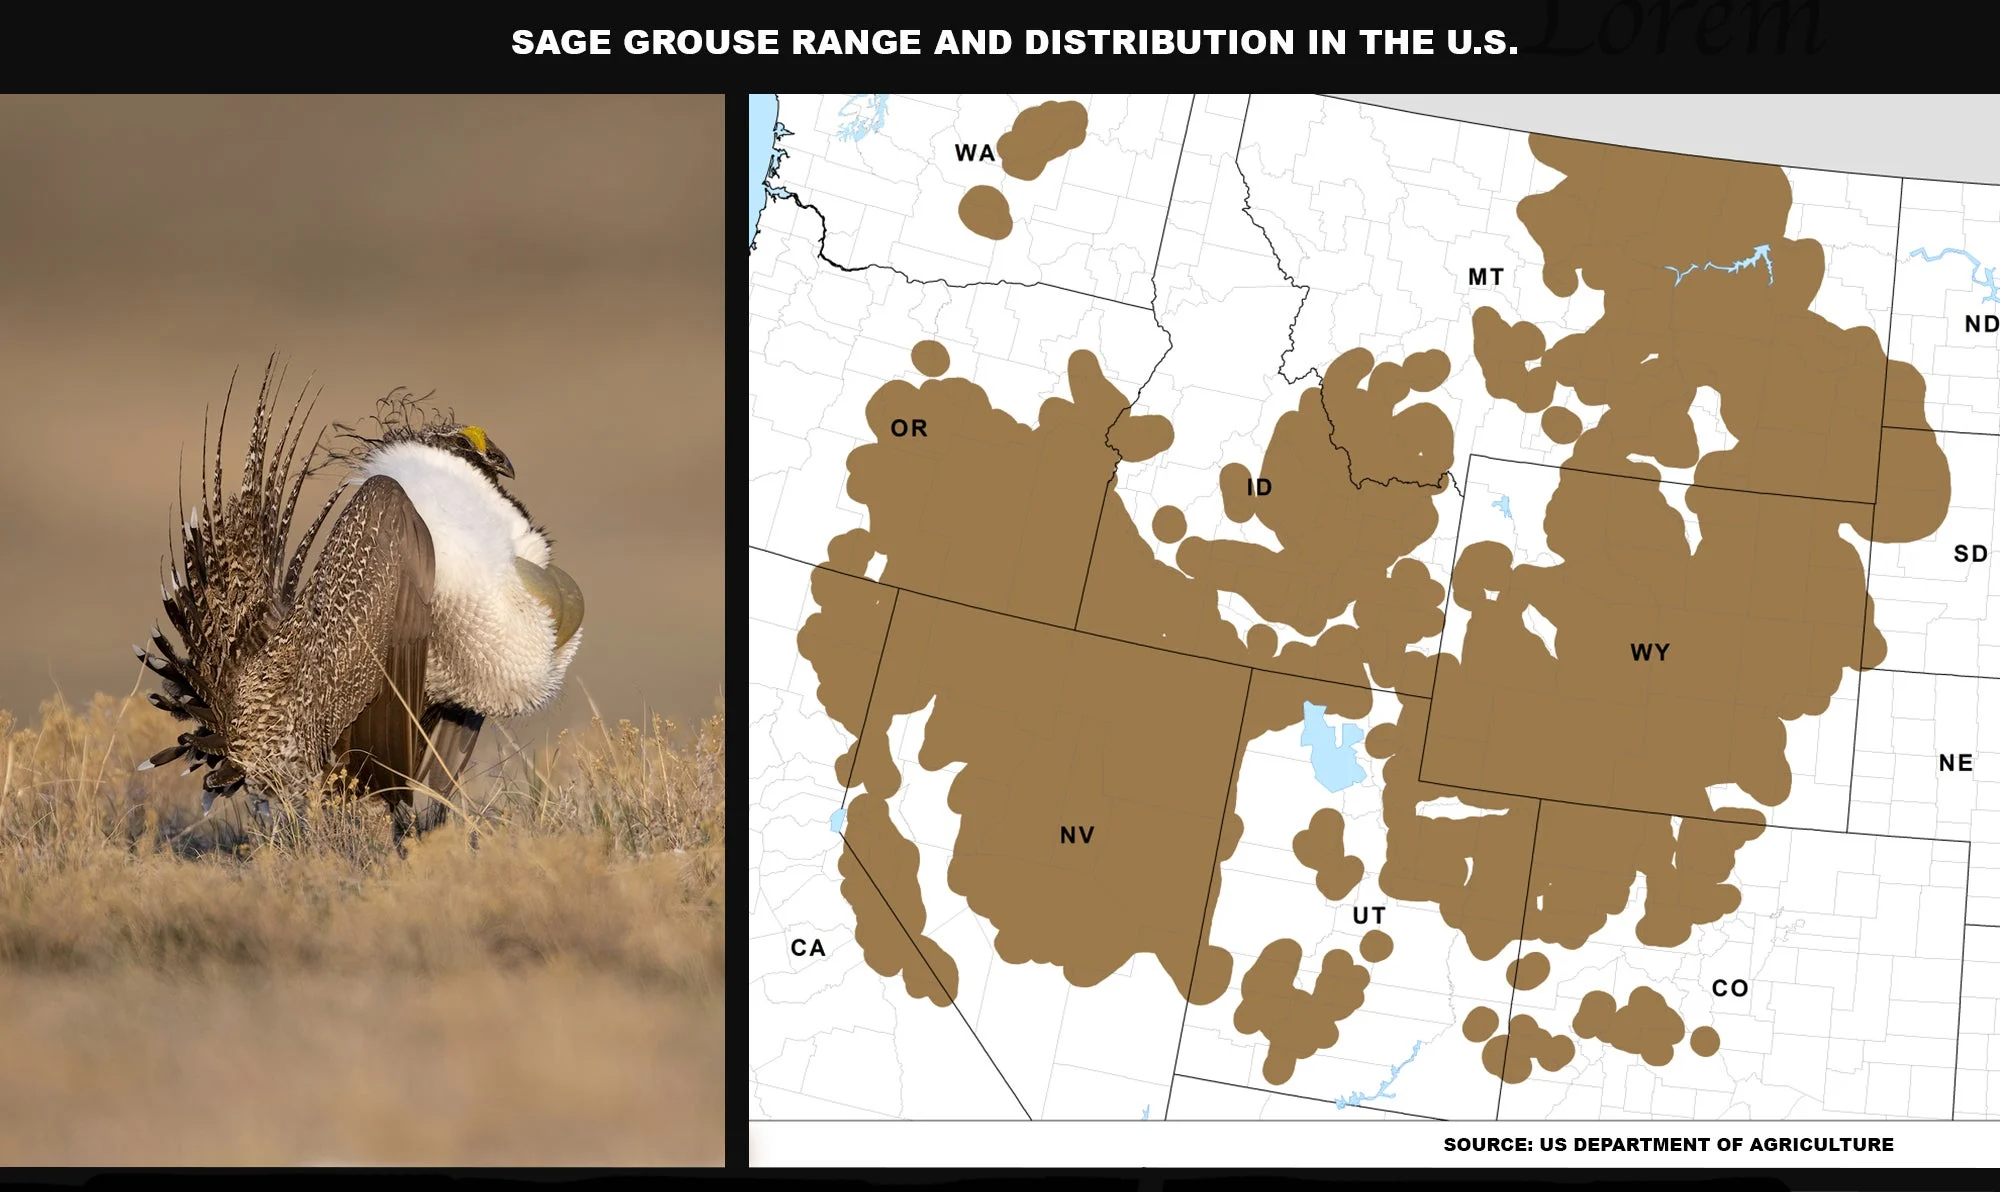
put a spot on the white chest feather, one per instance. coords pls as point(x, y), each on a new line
point(493, 645)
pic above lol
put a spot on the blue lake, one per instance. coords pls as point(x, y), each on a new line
point(838, 820)
point(862, 115)
point(1333, 759)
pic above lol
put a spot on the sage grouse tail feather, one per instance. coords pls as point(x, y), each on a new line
point(231, 587)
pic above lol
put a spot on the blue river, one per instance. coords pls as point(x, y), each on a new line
point(1992, 287)
point(1382, 1091)
point(1761, 255)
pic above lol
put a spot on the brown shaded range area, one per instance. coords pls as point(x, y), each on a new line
point(1760, 619)
point(1054, 705)
point(1139, 437)
point(980, 508)
point(878, 866)
point(549, 266)
point(845, 638)
point(1561, 424)
point(1238, 503)
point(983, 210)
point(1512, 1056)
point(1475, 867)
point(1804, 398)
point(878, 877)
point(1915, 488)
point(1376, 946)
point(1040, 135)
point(1297, 1023)
point(930, 357)
point(1353, 491)
point(1586, 859)
point(1321, 849)
point(1481, 1023)
point(1504, 351)
point(1380, 444)
point(1529, 971)
point(1278, 701)
point(1058, 729)
point(1645, 1026)
point(1704, 1041)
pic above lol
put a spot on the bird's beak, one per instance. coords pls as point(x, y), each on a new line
point(488, 450)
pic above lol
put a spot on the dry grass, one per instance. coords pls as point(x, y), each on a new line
point(240, 989)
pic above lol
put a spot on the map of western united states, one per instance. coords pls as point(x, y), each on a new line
point(1266, 606)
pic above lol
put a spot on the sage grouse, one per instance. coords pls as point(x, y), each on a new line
point(432, 606)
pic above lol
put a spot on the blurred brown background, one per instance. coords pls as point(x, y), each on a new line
point(550, 266)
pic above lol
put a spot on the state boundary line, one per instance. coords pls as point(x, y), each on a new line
point(1097, 531)
point(1867, 621)
point(1450, 573)
point(1208, 899)
point(1765, 826)
point(846, 788)
point(1401, 1113)
point(979, 608)
point(868, 709)
point(1520, 949)
point(825, 230)
point(1689, 484)
point(1868, 565)
point(1111, 483)
point(1400, 695)
point(952, 997)
point(1964, 937)
point(1458, 535)
point(1938, 430)
point(1249, 674)
point(1167, 215)
point(1532, 132)
point(1539, 800)
point(1898, 670)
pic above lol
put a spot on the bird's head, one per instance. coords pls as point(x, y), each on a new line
point(473, 445)
point(403, 418)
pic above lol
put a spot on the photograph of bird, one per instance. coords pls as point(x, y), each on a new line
point(432, 606)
